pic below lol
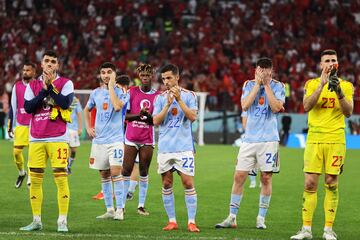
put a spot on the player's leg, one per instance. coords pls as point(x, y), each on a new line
point(115, 152)
point(99, 160)
point(252, 178)
point(37, 164)
point(335, 157)
point(169, 200)
point(21, 139)
point(71, 158)
point(313, 163)
point(59, 155)
point(245, 163)
point(74, 143)
point(130, 153)
point(134, 178)
point(264, 200)
point(190, 200)
point(19, 161)
point(145, 156)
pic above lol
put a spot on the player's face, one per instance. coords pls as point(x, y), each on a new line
point(145, 78)
point(169, 79)
point(328, 60)
point(50, 64)
point(105, 74)
point(28, 72)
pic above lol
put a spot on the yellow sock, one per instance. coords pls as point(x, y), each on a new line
point(309, 205)
point(36, 193)
point(63, 195)
point(19, 159)
point(330, 203)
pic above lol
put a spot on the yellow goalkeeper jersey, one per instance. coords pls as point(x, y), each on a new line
point(325, 119)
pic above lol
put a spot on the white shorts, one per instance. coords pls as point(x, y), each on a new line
point(263, 155)
point(180, 161)
point(74, 138)
point(103, 156)
point(137, 145)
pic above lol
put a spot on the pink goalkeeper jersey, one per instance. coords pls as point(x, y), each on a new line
point(22, 118)
point(137, 131)
point(41, 125)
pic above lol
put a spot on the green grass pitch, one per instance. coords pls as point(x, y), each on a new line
point(214, 172)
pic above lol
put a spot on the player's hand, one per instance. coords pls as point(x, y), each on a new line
point(112, 81)
point(11, 133)
point(91, 132)
point(170, 98)
point(176, 92)
point(266, 77)
point(324, 78)
point(258, 76)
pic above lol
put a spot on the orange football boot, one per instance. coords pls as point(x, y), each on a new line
point(171, 226)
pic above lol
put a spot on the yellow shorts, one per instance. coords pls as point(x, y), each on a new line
point(21, 136)
point(329, 155)
point(40, 152)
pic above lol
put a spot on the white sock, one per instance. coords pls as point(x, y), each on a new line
point(62, 218)
point(37, 218)
point(307, 228)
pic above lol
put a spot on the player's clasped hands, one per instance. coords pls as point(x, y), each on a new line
point(175, 91)
point(262, 76)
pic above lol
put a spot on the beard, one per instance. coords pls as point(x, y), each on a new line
point(27, 78)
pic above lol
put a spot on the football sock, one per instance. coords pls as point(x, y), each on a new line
point(107, 190)
point(330, 203)
point(63, 192)
point(252, 179)
point(309, 205)
point(19, 160)
point(143, 188)
point(36, 193)
point(191, 204)
point(126, 180)
point(132, 186)
point(118, 191)
point(264, 202)
point(169, 203)
point(235, 204)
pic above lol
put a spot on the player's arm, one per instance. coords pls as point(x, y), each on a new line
point(190, 114)
point(345, 100)
point(275, 104)
point(115, 101)
point(32, 102)
point(79, 120)
point(89, 129)
point(248, 100)
point(64, 98)
point(309, 101)
point(12, 112)
point(159, 118)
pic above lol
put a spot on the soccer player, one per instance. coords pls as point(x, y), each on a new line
point(262, 98)
point(107, 150)
point(174, 112)
point(74, 130)
point(328, 99)
point(139, 135)
point(48, 100)
point(19, 120)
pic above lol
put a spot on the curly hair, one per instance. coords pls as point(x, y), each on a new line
point(145, 68)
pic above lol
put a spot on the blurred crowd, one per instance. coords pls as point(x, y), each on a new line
point(215, 43)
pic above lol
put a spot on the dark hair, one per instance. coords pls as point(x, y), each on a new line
point(264, 63)
point(145, 68)
point(328, 52)
point(170, 67)
point(123, 80)
point(107, 65)
point(50, 53)
point(28, 63)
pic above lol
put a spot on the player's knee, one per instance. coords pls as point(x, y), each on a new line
point(331, 179)
point(105, 173)
point(167, 183)
point(239, 177)
point(143, 172)
point(310, 185)
point(126, 171)
point(265, 179)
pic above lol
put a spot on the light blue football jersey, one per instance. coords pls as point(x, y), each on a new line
point(76, 108)
point(261, 123)
point(175, 132)
point(109, 124)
